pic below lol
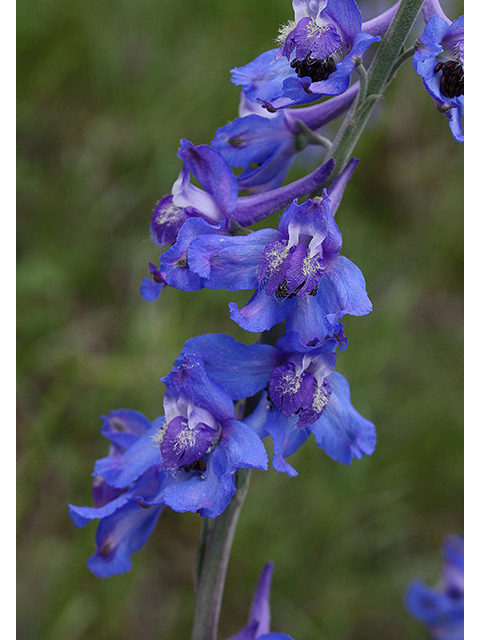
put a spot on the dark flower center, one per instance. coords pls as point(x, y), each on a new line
point(317, 70)
point(289, 272)
point(451, 82)
point(282, 291)
point(300, 394)
point(184, 446)
point(198, 465)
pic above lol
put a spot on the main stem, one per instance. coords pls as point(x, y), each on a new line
point(213, 563)
point(380, 73)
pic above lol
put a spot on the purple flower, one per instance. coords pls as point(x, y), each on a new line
point(127, 517)
point(442, 611)
point(319, 50)
point(265, 147)
point(258, 627)
point(218, 203)
point(192, 212)
point(266, 144)
point(186, 460)
point(301, 278)
point(296, 270)
point(301, 393)
point(214, 203)
point(305, 395)
point(439, 60)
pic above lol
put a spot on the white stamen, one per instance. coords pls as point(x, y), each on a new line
point(320, 398)
point(186, 439)
point(309, 268)
point(168, 215)
point(284, 30)
point(315, 30)
point(275, 257)
point(289, 383)
point(160, 435)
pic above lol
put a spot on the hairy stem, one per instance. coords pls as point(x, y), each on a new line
point(380, 72)
point(213, 563)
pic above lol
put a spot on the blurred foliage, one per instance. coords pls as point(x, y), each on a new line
point(106, 89)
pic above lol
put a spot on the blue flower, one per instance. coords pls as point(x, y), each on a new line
point(442, 611)
point(266, 144)
point(125, 521)
point(218, 202)
point(192, 212)
point(300, 393)
point(439, 60)
point(186, 460)
point(296, 270)
point(305, 395)
point(214, 203)
point(319, 50)
point(302, 278)
point(258, 627)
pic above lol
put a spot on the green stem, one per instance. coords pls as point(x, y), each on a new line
point(307, 136)
point(213, 563)
point(406, 55)
point(380, 72)
point(362, 92)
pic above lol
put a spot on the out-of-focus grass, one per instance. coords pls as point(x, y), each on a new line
point(105, 92)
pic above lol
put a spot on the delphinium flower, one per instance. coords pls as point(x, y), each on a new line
point(216, 209)
point(439, 60)
point(125, 521)
point(258, 627)
point(301, 393)
point(301, 278)
point(319, 50)
point(296, 270)
point(442, 610)
point(218, 201)
point(186, 460)
point(304, 396)
point(265, 144)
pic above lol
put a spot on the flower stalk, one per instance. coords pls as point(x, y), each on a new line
point(213, 563)
point(380, 73)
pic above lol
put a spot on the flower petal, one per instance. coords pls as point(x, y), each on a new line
point(242, 370)
point(261, 79)
point(287, 438)
point(204, 493)
point(121, 534)
point(83, 515)
point(261, 312)
point(214, 174)
point(189, 378)
point(229, 262)
point(124, 427)
point(120, 472)
point(341, 431)
point(242, 447)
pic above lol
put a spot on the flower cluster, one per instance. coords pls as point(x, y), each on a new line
point(186, 460)
point(223, 398)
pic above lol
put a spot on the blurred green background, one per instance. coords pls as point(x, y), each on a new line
point(106, 89)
